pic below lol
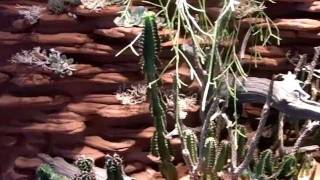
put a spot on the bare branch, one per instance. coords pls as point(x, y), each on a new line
point(264, 115)
point(309, 128)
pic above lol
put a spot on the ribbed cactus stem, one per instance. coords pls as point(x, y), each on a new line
point(241, 142)
point(264, 165)
point(84, 163)
point(210, 153)
point(154, 146)
point(190, 144)
point(223, 154)
point(151, 46)
point(113, 165)
point(85, 166)
point(211, 132)
point(288, 166)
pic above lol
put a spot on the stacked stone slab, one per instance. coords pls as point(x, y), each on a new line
point(66, 117)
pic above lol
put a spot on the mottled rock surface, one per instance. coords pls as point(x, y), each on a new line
point(44, 113)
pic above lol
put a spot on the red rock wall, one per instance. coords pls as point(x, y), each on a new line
point(80, 114)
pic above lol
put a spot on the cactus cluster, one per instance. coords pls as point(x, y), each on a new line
point(150, 44)
point(113, 165)
point(85, 165)
point(207, 159)
point(266, 165)
point(269, 166)
point(82, 169)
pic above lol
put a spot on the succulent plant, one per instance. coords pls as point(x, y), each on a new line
point(85, 166)
point(269, 166)
point(30, 13)
point(113, 165)
point(50, 60)
point(241, 142)
point(84, 163)
point(150, 49)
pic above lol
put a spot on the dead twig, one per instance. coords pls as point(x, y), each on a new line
point(253, 144)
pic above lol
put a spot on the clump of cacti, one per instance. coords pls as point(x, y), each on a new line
point(268, 166)
point(82, 169)
point(85, 166)
point(113, 165)
point(150, 49)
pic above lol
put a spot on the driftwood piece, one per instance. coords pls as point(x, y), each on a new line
point(288, 96)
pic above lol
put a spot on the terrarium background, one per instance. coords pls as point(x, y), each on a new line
point(41, 113)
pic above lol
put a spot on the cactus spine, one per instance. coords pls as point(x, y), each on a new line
point(151, 46)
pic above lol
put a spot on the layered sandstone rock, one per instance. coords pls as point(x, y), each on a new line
point(44, 113)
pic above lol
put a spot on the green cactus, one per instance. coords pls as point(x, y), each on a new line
point(264, 165)
point(151, 47)
point(46, 172)
point(241, 142)
point(210, 153)
point(267, 167)
point(154, 148)
point(211, 132)
point(223, 155)
point(190, 143)
point(288, 166)
point(85, 166)
point(113, 165)
point(210, 156)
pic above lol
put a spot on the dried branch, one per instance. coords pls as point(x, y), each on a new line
point(309, 128)
point(312, 66)
point(280, 133)
point(264, 115)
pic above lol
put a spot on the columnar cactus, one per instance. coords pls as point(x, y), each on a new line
point(149, 61)
point(191, 145)
point(241, 143)
point(214, 156)
point(113, 165)
point(267, 166)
